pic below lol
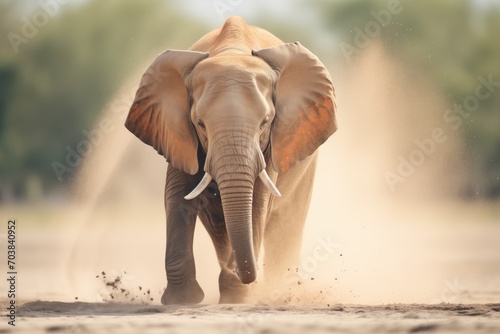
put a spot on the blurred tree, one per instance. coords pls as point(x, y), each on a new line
point(457, 43)
point(61, 76)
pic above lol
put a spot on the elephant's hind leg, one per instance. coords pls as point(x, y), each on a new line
point(283, 234)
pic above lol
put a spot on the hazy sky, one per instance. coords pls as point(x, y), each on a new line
point(216, 11)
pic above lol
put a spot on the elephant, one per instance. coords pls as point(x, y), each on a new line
point(239, 118)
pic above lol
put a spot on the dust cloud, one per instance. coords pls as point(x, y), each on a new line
point(363, 242)
point(382, 234)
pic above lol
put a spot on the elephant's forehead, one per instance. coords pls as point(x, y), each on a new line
point(241, 66)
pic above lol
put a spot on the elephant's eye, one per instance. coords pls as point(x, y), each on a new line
point(201, 124)
point(264, 122)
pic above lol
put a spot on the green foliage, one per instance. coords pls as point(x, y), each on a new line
point(57, 83)
point(455, 42)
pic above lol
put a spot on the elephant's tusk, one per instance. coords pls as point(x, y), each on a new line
point(269, 183)
point(200, 187)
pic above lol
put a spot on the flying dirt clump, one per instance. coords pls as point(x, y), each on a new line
point(118, 289)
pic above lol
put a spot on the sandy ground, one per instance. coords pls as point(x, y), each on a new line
point(408, 259)
point(56, 317)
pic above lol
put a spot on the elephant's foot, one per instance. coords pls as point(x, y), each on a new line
point(187, 293)
point(232, 291)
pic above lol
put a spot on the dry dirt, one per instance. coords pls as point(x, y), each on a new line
point(58, 317)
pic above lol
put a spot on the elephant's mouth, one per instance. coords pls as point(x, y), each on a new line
point(208, 183)
point(213, 189)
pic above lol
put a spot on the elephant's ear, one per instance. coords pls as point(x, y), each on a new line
point(159, 115)
point(304, 102)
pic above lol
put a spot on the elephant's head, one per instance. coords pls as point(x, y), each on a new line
point(274, 105)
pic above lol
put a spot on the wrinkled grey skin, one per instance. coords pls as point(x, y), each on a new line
point(239, 101)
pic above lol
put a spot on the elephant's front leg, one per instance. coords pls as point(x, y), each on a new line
point(182, 287)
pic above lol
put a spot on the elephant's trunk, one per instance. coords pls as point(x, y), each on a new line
point(237, 205)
